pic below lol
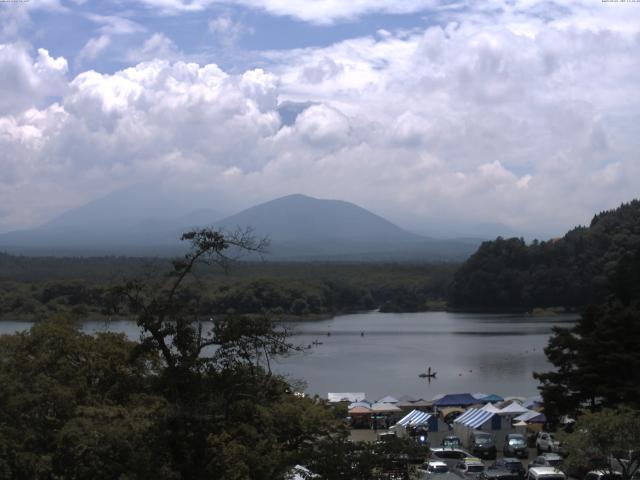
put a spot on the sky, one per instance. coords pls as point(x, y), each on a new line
point(444, 116)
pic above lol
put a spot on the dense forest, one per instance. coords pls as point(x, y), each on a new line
point(35, 287)
point(572, 271)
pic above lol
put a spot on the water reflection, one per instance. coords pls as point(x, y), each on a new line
point(383, 353)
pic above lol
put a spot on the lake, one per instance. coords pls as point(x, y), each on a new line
point(383, 353)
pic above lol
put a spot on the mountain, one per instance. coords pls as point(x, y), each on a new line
point(581, 268)
point(142, 219)
point(301, 227)
point(148, 220)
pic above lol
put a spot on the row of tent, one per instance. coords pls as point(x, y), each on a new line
point(476, 417)
point(442, 401)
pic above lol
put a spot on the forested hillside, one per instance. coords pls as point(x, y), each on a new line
point(572, 271)
point(35, 287)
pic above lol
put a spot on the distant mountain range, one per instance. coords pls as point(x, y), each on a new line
point(145, 220)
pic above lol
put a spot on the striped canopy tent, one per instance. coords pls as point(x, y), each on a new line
point(474, 417)
point(384, 408)
point(414, 418)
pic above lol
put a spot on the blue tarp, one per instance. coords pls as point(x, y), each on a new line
point(474, 417)
point(456, 400)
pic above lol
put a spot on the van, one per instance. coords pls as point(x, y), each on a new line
point(482, 445)
point(545, 473)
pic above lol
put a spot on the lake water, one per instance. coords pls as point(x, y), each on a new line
point(470, 352)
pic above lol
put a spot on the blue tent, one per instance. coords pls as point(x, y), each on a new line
point(456, 400)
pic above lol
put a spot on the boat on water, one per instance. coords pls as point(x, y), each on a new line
point(428, 374)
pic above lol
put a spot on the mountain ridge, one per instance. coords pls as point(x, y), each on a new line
point(300, 227)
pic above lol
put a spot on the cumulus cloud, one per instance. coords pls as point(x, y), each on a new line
point(468, 122)
point(26, 82)
point(157, 46)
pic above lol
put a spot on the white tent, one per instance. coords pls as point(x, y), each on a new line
point(530, 416)
point(513, 407)
point(384, 407)
point(489, 407)
point(388, 399)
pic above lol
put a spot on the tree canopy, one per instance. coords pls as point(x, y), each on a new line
point(597, 362)
point(572, 271)
point(189, 400)
point(608, 440)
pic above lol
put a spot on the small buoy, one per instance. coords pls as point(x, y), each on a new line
point(470, 371)
point(362, 334)
point(459, 374)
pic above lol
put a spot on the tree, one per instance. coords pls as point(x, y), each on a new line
point(194, 398)
point(597, 362)
point(608, 440)
point(229, 416)
point(49, 376)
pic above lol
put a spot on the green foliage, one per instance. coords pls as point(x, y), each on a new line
point(52, 377)
point(189, 400)
point(291, 290)
point(192, 399)
point(573, 271)
point(597, 362)
point(337, 458)
point(608, 440)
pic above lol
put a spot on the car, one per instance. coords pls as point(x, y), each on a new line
point(509, 463)
point(450, 456)
point(482, 445)
point(546, 460)
point(451, 441)
point(435, 466)
point(545, 473)
point(470, 467)
point(545, 442)
point(515, 445)
point(498, 473)
point(603, 475)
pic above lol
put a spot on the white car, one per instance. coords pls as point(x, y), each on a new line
point(545, 473)
point(437, 467)
point(546, 443)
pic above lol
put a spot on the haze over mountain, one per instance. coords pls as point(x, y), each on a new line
point(147, 220)
point(127, 221)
